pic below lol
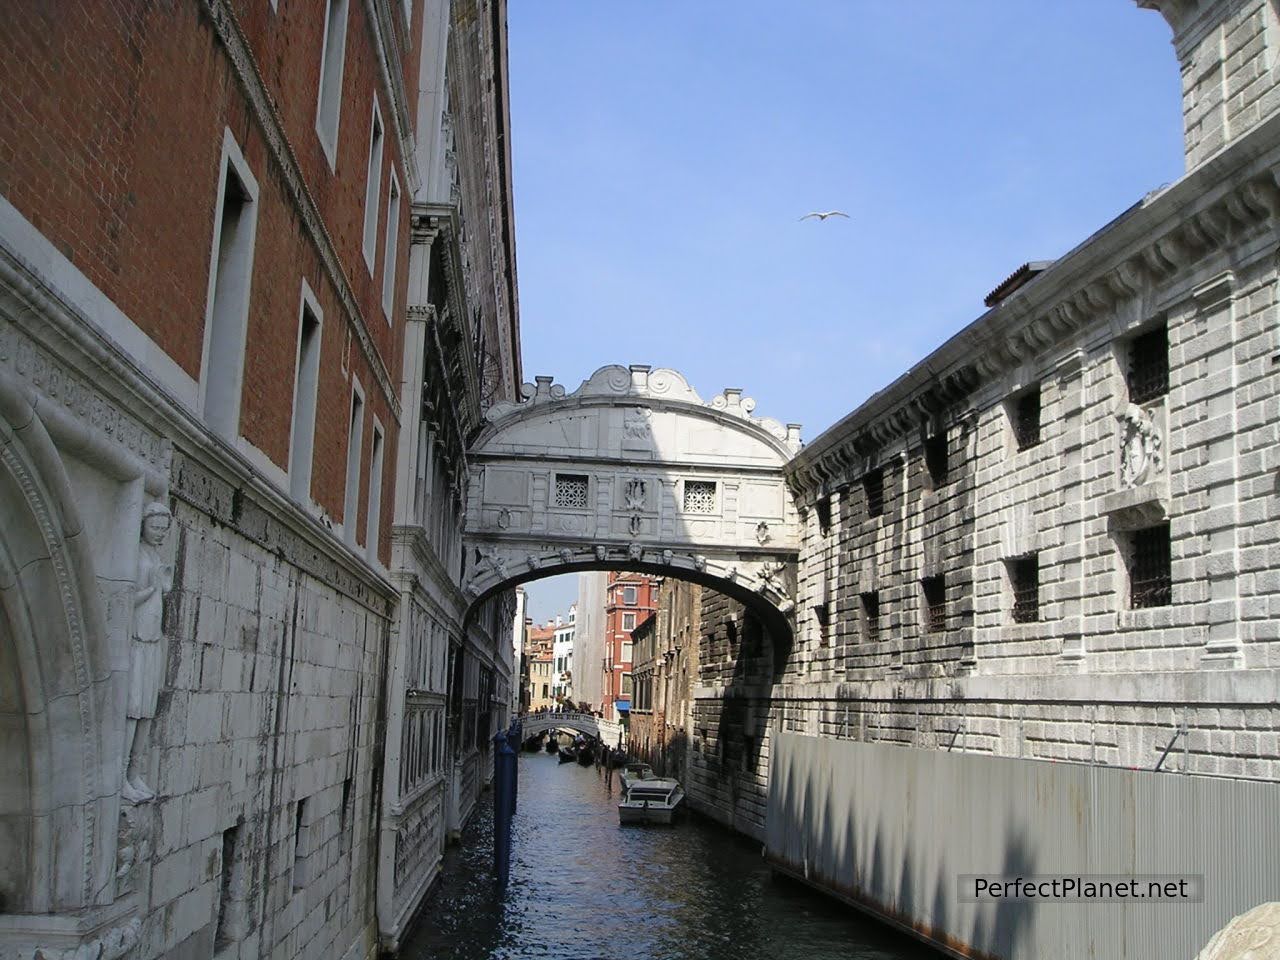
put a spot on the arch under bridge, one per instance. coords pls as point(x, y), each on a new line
point(634, 471)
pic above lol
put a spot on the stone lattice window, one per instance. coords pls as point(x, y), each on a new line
point(936, 459)
point(1024, 576)
point(699, 496)
point(571, 490)
point(1150, 576)
point(1148, 372)
point(935, 603)
point(871, 615)
point(873, 489)
point(1026, 419)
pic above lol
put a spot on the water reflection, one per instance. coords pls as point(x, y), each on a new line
point(582, 888)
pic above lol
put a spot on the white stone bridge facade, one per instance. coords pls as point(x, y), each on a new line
point(634, 471)
point(606, 731)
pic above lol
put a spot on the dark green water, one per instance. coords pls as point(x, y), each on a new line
point(583, 888)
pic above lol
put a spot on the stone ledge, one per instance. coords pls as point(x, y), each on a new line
point(1141, 506)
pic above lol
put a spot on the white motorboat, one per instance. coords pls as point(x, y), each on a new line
point(651, 800)
point(632, 773)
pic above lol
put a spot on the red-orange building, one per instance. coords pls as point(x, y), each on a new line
point(630, 600)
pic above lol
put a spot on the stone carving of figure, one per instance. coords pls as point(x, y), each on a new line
point(146, 648)
point(635, 424)
point(1140, 444)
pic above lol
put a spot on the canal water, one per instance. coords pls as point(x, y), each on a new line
point(583, 888)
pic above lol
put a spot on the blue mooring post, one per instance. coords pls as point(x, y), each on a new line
point(516, 736)
point(503, 772)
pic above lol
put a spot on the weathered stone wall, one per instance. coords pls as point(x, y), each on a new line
point(267, 749)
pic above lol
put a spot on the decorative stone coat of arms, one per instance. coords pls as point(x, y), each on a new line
point(1141, 456)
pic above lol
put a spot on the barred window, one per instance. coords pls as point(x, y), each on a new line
point(1149, 365)
point(1150, 577)
point(1024, 576)
point(873, 489)
point(935, 458)
point(1026, 418)
point(935, 602)
point(571, 490)
point(699, 496)
point(871, 615)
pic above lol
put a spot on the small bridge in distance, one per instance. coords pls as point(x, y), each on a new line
point(606, 731)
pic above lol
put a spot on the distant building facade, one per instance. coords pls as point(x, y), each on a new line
point(588, 638)
point(631, 599)
point(562, 654)
point(540, 654)
point(664, 672)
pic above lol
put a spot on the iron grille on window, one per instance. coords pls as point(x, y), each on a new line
point(699, 496)
point(571, 490)
point(1026, 419)
point(1024, 574)
point(935, 601)
point(873, 488)
point(935, 458)
point(1150, 579)
point(1149, 365)
point(871, 615)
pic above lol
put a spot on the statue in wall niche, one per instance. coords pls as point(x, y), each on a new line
point(146, 648)
point(1140, 453)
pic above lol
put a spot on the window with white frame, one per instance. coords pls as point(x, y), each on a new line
point(305, 386)
point(332, 55)
point(372, 184)
point(699, 496)
point(628, 621)
point(626, 651)
point(629, 596)
point(230, 276)
point(355, 439)
point(389, 249)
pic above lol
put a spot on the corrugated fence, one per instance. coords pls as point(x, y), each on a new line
point(892, 828)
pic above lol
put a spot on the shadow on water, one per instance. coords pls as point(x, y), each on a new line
point(582, 888)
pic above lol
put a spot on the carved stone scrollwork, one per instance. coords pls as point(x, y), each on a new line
point(762, 532)
point(1141, 455)
point(635, 525)
point(634, 495)
point(504, 518)
point(111, 945)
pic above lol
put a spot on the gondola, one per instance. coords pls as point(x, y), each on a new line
point(568, 754)
point(586, 755)
point(553, 746)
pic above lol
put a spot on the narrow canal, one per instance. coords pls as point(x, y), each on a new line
point(583, 888)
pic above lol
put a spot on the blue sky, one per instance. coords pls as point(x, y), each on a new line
point(664, 151)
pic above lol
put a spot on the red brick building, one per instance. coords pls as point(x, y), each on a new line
point(630, 600)
point(253, 253)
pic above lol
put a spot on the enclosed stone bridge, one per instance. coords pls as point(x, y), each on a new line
point(535, 724)
point(634, 471)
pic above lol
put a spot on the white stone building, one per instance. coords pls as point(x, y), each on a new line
point(562, 655)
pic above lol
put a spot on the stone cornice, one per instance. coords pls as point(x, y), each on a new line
point(260, 102)
point(1231, 199)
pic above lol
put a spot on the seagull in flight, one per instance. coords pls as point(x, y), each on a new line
point(829, 213)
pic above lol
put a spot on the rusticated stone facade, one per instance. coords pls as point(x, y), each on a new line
point(1105, 525)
